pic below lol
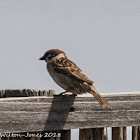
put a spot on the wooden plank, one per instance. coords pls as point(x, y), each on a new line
point(124, 96)
point(117, 133)
point(124, 133)
point(65, 135)
point(100, 133)
point(25, 93)
point(64, 113)
point(105, 136)
point(139, 133)
point(86, 134)
point(49, 93)
point(135, 133)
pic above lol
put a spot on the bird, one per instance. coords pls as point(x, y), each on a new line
point(69, 76)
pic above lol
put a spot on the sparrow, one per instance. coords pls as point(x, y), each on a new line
point(69, 76)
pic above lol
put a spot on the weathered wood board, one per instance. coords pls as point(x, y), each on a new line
point(28, 114)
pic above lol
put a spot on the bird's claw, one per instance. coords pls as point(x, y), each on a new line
point(66, 94)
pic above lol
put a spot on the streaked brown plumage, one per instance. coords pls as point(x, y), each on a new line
point(69, 76)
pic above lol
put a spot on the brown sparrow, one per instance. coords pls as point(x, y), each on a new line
point(69, 76)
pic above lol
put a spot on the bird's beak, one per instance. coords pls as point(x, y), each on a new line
point(42, 58)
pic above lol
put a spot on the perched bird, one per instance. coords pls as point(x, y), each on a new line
point(69, 76)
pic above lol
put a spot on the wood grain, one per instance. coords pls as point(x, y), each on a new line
point(117, 133)
point(139, 133)
point(124, 133)
point(66, 135)
point(135, 133)
point(86, 134)
point(32, 114)
point(100, 133)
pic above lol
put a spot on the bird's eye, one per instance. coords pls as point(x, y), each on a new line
point(50, 56)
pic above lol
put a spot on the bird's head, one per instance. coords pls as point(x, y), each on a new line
point(53, 54)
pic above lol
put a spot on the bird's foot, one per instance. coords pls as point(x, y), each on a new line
point(66, 93)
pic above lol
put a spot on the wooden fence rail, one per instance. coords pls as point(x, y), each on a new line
point(59, 114)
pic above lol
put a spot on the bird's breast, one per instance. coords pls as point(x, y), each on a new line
point(59, 78)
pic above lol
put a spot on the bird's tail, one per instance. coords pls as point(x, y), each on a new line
point(100, 99)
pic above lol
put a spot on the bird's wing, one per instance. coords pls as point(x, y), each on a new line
point(69, 68)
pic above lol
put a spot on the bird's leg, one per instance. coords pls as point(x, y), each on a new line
point(63, 93)
point(66, 93)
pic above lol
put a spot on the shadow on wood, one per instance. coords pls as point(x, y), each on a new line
point(61, 106)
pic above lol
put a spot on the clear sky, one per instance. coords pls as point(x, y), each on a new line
point(101, 37)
